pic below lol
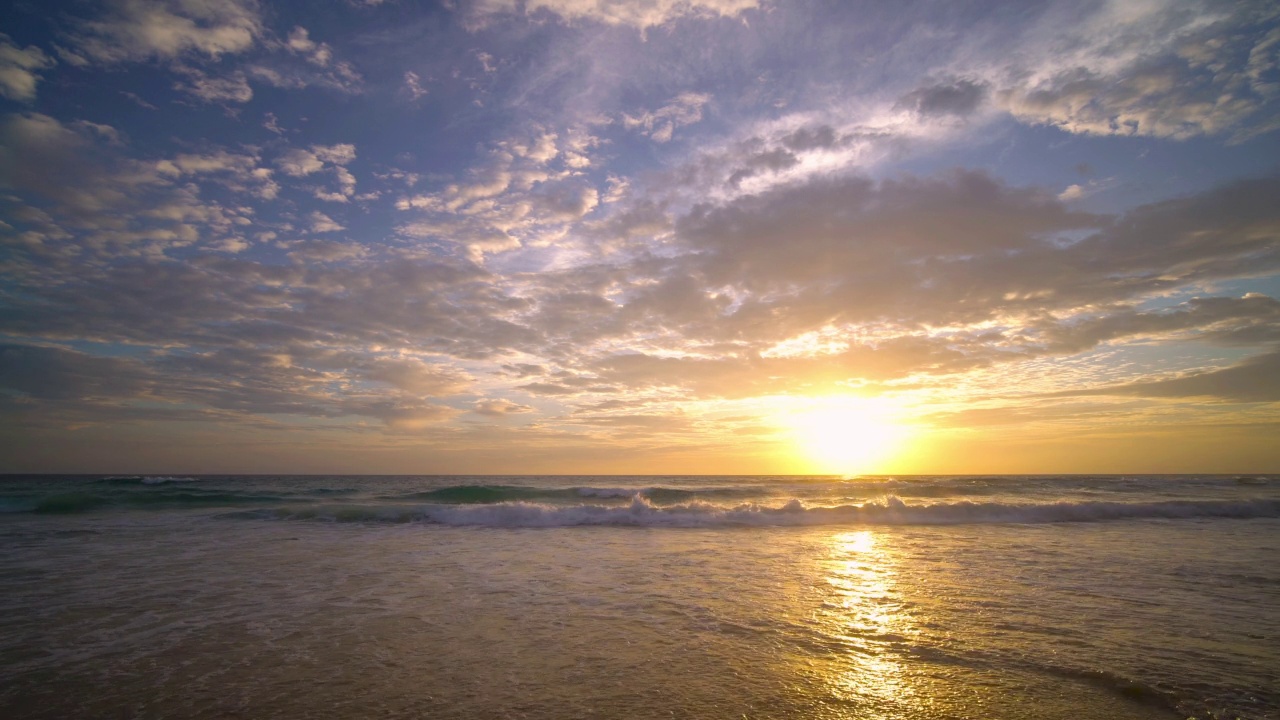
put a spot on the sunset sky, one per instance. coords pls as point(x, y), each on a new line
point(662, 236)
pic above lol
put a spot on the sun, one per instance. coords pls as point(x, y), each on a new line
point(847, 435)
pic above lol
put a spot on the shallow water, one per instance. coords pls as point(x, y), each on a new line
point(640, 597)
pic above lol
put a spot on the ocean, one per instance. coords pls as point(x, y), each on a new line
point(1045, 597)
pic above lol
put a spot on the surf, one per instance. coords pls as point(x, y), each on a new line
point(887, 511)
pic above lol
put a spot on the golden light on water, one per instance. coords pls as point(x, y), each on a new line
point(847, 435)
point(865, 613)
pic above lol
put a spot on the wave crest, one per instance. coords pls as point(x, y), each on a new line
point(891, 510)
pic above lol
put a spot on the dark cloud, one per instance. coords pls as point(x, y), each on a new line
point(68, 164)
point(774, 160)
point(819, 137)
point(1250, 320)
point(1256, 379)
point(962, 248)
point(915, 252)
point(54, 373)
point(566, 201)
point(959, 97)
point(856, 250)
point(429, 306)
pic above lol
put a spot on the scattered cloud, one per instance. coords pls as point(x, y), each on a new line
point(1172, 70)
point(300, 42)
point(168, 29)
point(413, 84)
point(20, 69)
point(322, 223)
point(232, 88)
point(660, 125)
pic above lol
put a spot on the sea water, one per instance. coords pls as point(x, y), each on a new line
point(640, 597)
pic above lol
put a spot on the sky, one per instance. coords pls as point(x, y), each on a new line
point(649, 237)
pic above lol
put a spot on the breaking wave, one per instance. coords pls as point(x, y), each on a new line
point(488, 494)
point(146, 479)
point(641, 512)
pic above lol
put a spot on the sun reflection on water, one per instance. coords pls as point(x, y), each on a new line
point(866, 616)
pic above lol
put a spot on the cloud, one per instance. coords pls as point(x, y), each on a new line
point(868, 246)
point(72, 164)
point(660, 125)
point(311, 339)
point(567, 201)
point(293, 70)
point(1255, 379)
point(1251, 320)
point(231, 88)
point(597, 224)
point(297, 162)
point(447, 309)
point(963, 248)
point(230, 384)
point(500, 407)
point(136, 99)
point(526, 192)
point(959, 97)
point(20, 69)
point(339, 154)
point(1073, 192)
point(237, 171)
point(775, 160)
point(740, 375)
point(413, 84)
point(412, 417)
point(838, 280)
point(562, 389)
point(417, 377)
point(325, 251)
point(323, 223)
point(619, 12)
point(818, 137)
point(1171, 70)
point(216, 162)
point(54, 373)
point(300, 41)
point(167, 29)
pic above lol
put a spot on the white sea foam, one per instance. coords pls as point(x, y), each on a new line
point(890, 510)
point(147, 479)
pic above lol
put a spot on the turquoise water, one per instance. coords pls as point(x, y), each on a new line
point(552, 597)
